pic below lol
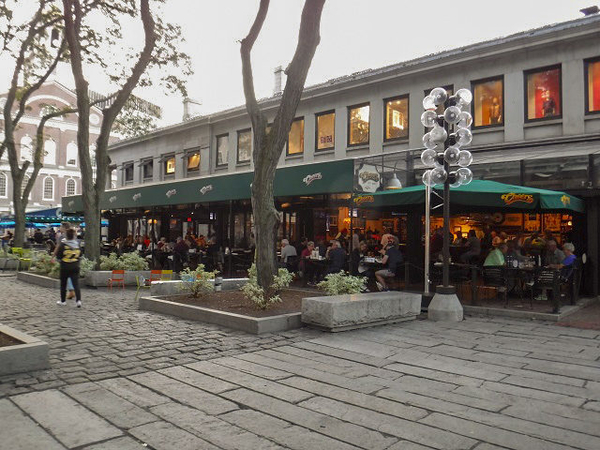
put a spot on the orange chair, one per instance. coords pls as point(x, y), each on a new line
point(117, 277)
point(155, 275)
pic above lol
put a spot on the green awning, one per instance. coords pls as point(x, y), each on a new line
point(479, 194)
point(306, 179)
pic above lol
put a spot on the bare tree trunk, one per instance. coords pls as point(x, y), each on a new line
point(19, 206)
point(268, 148)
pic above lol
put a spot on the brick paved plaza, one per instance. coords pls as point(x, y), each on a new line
point(124, 379)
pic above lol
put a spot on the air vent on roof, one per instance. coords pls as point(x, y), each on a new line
point(590, 10)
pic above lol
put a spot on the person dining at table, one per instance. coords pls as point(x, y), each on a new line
point(497, 256)
point(357, 261)
point(473, 248)
point(287, 250)
point(336, 257)
point(307, 267)
point(392, 258)
point(553, 256)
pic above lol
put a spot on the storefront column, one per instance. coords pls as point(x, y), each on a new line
point(592, 267)
point(414, 248)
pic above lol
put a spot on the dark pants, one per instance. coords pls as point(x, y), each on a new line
point(73, 274)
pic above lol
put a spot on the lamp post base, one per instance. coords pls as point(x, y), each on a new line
point(445, 306)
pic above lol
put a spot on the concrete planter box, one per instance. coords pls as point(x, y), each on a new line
point(39, 280)
point(9, 264)
point(252, 325)
point(99, 278)
point(174, 287)
point(32, 354)
point(347, 312)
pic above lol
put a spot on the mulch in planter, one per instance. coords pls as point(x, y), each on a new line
point(6, 340)
point(236, 302)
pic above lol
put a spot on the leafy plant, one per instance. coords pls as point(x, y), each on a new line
point(42, 263)
point(261, 298)
point(197, 282)
point(342, 283)
point(128, 261)
point(4, 254)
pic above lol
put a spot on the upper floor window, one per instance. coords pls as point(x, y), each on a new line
point(128, 172)
point(592, 86)
point(543, 91)
point(440, 108)
point(488, 102)
point(72, 154)
point(396, 118)
point(50, 152)
point(358, 124)
point(26, 148)
point(24, 185)
point(147, 169)
point(169, 166)
point(48, 188)
point(244, 146)
point(325, 134)
point(3, 185)
point(222, 149)
point(71, 188)
point(193, 161)
point(296, 137)
point(93, 155)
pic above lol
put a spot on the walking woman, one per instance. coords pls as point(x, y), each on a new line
point(69, 254)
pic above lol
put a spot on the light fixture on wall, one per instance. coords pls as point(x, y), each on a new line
point(393, 182)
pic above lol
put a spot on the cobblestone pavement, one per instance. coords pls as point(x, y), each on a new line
point(483, 384)
point(110, 337)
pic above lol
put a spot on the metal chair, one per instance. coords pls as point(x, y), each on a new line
point(166, 275)
point(495, 277)
point(117, 277)
point(143, 283)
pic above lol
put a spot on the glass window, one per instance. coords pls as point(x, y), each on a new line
point(48, 188)
point(50, 152)
point(148, 169)
point(296, 137)
point(593, 85)
point(449, 90)
point(193, 162)
point(3, 185)
point(71, 186)
point(396, 118)
point(358, 124)
point(326, 130)
point(169, 165)
point(543, 93)
point(488, 102)
point(128, 172)
point(244, 146)
point(222, 149)
point(71, 154)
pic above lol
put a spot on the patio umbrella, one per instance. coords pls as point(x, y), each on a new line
point(479, 194)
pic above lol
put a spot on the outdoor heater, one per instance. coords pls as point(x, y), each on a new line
point(448, 133)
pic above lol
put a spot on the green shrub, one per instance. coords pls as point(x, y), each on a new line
point(197, 282)
point(42, 263)
point(262, 299)
point(342, 283)
point(128, 261)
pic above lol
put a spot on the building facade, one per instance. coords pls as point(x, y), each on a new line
point(60, 175)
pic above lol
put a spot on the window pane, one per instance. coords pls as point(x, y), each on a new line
point(244, 146)
point(396, 118)
point(543, 94)
point(326, 131)
point(48, 188)
point(71, 187)
point(3, 182)
point(296, 138)
point(72, 154)
point(50, 152)
point(193, 162)
point(129, 172)
point(148, 169)
point(222, 150)
point(359, 125)
point(170, 165)
point(488, 103)
point(593, 75)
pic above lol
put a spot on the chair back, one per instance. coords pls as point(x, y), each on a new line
point(546, 277)
point(18, 251)
point(155, 275)
point(117, 275)
point(166, 275)
point(493, 276)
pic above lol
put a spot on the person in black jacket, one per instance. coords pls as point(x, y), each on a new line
point(69, 254)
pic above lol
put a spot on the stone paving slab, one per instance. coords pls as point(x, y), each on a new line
point(135, 380)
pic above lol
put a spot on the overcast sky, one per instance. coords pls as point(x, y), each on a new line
point(355, 35)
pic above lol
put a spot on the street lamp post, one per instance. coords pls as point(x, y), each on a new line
point(447, 134)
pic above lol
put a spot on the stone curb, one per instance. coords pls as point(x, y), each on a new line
point(39, 280)
point(31, 355)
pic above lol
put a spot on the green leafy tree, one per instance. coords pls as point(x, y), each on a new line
point(93, 44)
point(267, 147)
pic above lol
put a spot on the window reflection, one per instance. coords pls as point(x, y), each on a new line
point(593, 86)
point(244, 146)
point(296, 137)
point(170, 165)
point(396, 118)
point(488, 103)
point(193, 162)
point(358, 125)
point(543, 94)
point(222, 149)
point(326, 131)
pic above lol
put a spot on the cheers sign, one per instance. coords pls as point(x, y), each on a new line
point(363, 199)
point(511, 198)
point(308, 179)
